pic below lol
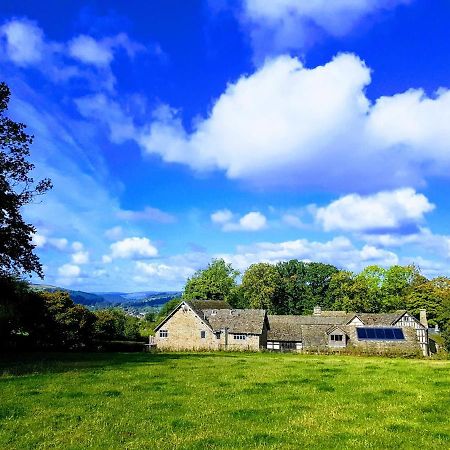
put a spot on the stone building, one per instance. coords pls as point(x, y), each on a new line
point(212, 325)
point(398, 331)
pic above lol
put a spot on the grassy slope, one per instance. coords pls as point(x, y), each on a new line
point(199, 401)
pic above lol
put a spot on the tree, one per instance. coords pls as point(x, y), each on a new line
point(318, 278)
point(398, 282)
point(216, 282)
point(65, 324)
point(17, 188)
point(260, 285)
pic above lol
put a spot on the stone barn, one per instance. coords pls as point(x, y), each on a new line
point(212, 325)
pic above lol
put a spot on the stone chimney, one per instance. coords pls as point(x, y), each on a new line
point(317, 310)
point(423, 317)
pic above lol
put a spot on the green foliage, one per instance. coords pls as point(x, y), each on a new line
point(114, 324)
point(260, 285)
point(303, 286)
point(167, 308)
point(17, 188)
point(217, 401)
point(216, 282)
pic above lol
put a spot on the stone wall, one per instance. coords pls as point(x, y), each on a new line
point(184, 333)
point(252, 343)
point(408, 346)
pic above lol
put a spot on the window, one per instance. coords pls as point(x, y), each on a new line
point(239, 337)
point(203, 334)
point(337, 337)
point(380, 334)
point(288, 345)
point(163, 333)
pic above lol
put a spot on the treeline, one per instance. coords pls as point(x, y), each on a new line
point(295, 287)
point(52, 321)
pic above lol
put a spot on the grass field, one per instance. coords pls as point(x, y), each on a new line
point(241, 401)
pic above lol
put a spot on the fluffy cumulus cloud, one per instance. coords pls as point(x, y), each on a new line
point(252, 221)
point(339, 251)
point(279, 25)
point(69, 271)
point(382, 211)
point(132, 248)
point(288, 124)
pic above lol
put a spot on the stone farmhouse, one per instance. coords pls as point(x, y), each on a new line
point(214, 325)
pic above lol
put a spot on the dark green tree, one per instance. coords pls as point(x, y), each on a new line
point(216, 282)
point(17, 188)
point(260, 286)
point(295, 294)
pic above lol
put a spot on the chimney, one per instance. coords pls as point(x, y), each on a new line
point(317, 310)
point(423, 318)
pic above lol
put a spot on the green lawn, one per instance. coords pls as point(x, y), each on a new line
point(205, 400)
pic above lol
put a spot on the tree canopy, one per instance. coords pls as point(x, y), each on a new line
point(17, 188)
point(216, 282)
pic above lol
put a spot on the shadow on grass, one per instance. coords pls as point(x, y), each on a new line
point(55, 362)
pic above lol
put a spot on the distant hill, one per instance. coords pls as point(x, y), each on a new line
point(135, 301)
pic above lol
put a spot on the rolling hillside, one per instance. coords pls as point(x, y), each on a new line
point(134, 300)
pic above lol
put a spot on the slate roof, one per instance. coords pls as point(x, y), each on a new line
point(199, 305)
point(380, 319)
point(249, 321)
point(285, 328)
point(312, 329)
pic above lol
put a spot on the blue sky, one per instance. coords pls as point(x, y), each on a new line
point(176, 131)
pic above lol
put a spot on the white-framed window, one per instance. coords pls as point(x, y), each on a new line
point(163, 333)
point(239, 337)
point(202, 334)
point(337, 337)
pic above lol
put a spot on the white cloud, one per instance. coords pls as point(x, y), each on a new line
point(59, 243)
point(162, 272)
point(286, 124)
point(384, 210)
point(69, 271)
point(222, 216)
point(80, 257)
point(114, 233)
point(107, 259)
point(89, 51)
point(102, 107)
point(39, 240)
point(278, 25)
point(77, 246)
point(24, 42)
point(132, 248)
point(147, 214)
point(339, 251)
point(252, 221)
point(293, 220)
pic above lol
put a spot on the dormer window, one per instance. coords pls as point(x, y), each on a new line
point(214, 312)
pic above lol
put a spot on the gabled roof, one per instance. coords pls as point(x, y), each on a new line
point(334, 328)
point(200, 305)
point(249, 321)
point(188, 305)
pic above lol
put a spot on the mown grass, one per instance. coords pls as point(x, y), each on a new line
point(222, 400)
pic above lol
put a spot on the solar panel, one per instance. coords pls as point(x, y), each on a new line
point(380, 334)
